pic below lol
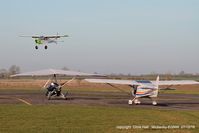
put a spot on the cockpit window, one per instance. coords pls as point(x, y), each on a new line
point(145, 81)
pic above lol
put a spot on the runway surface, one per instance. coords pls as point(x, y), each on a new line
point(165, 101)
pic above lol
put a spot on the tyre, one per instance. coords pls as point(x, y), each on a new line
point(36, 47)
point(154, 103)
point(46, 47)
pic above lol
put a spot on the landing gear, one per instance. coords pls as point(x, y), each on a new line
point(46, 47)
point(154, 103)
point(136, 101)
point(130, 102)
point(36, 47)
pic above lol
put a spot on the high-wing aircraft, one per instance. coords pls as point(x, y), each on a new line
point(55, 88)
point(143, 89)
point(45, 39)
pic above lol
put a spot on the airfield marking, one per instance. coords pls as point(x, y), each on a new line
point(23, 101)
point(19, 99)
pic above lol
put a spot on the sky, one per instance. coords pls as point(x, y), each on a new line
point(106, 36)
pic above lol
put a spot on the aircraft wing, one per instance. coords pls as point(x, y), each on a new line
point(115, 81)
point(30, 36)
point(56, 36)
point(47, 72)
point(177, 82)
point(137, 82)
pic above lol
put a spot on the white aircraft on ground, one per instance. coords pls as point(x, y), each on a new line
point(55, 88)
point(45, 39)
point(143, 89)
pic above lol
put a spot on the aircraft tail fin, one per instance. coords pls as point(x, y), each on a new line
point(157, 82)
point(156, 86)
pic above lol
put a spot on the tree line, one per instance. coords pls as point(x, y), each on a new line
point(5, 73)
point(13, 69)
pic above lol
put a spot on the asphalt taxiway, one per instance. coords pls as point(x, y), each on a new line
point(111, 99)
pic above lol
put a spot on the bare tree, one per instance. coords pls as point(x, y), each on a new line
point(153, 75)
point(182, 73)
point(14, 70)
point(168, 75)
point(95, 73)
point(3, 73)
point(65, 68)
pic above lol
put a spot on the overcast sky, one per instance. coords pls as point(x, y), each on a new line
point(106, 36)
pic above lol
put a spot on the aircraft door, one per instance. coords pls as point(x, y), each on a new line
point(134, 89)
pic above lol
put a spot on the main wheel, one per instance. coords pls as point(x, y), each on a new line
point(136, 101)
point(46, 47)
point(154, 103)
point(36, 47)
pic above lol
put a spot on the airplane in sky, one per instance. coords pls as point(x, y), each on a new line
point(45, 39)
point(143, 89)
point(54, 88)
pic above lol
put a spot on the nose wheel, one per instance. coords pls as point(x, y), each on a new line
point(46, 47)
point(36, 47)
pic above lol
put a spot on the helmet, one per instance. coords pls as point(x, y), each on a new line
point(52, 84)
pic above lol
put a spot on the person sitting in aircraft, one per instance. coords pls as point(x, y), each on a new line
point(134, 89)
point(51, 87)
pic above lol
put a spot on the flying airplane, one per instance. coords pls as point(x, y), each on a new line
point(55, 88)
point(143, 89)
point(45, 39)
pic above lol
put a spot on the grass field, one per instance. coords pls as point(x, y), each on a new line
point(91, 119)
point(188, 92)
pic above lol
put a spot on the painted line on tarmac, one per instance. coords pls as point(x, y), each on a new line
point(19, 99)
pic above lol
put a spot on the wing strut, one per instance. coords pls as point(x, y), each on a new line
point(46, 83)
point(117, 88)
point(65, 83)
